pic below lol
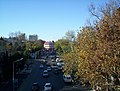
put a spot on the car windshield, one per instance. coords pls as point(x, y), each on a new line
point(48, 85)
point(35, 84)
point(45, 72)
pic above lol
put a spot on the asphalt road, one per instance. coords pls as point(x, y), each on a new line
point(36, 76)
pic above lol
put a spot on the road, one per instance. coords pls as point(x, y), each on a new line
point(37, 76)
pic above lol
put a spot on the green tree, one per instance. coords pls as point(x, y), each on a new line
point(65, 45)
point(70, 35)
point(62, 46)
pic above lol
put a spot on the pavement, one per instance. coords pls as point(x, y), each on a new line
point(73, 89)
point(33, 73)
point(56, 80)
point(26, 71)
point(21, 75)
point(3, 85)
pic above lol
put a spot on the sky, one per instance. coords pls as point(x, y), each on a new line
point(49, 19)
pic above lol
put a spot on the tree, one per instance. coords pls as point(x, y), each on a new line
point(70, 35)
point(97, 50)
point(63, 46)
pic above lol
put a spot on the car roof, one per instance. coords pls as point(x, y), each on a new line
point(45, 70)
point(48, 84)
point(67, 75)
point(35, 83)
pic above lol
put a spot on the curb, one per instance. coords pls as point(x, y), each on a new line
point(24, 80)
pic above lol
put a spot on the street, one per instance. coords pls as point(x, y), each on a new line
point(36, 76)
point(27, 78)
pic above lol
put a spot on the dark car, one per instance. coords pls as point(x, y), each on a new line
point(41, 66)
point(45, 73)
point(56, 71)
point(35, 86)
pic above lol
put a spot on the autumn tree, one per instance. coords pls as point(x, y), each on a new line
point(97, 50)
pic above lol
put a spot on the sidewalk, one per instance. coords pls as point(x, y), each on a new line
point(69, 88)
point(28, 71)
point(21, 75)
point(3, 85)
point(25, 70)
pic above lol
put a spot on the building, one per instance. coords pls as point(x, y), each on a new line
point(33, 37)
point(49, 45)
point(2, 45)
point(3, 56)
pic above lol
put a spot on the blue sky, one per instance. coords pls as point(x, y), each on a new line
point(49, 19)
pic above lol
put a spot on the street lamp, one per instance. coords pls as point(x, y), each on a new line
point(13, 70)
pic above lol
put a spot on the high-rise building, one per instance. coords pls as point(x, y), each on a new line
point(33, 37)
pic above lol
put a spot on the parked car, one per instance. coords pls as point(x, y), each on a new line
point(48, 87)
point(67, 78)
point(45, 73)
point(35, 86)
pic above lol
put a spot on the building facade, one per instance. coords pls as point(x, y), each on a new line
point(33, 37)
point(49, 45)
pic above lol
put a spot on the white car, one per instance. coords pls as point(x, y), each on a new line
point(48, 87)
point(57, 59)
point(67, 78)
point(59, 64)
